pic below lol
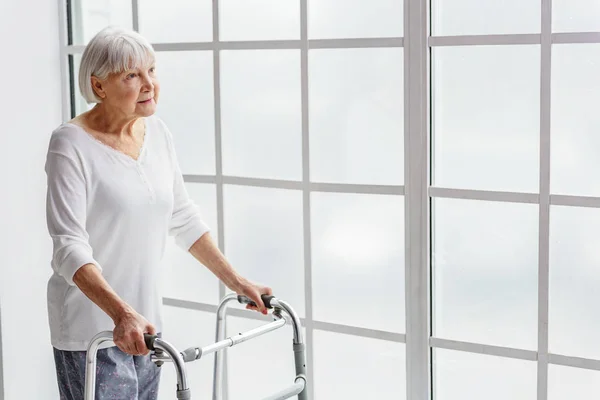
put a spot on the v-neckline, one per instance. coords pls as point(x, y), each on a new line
point(111, 149)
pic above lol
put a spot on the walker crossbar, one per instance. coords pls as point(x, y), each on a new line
point(163, 351)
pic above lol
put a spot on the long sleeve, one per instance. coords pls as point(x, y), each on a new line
point(186, 224)
point(66, 216)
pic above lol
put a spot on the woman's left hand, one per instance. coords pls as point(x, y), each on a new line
point(254, 291)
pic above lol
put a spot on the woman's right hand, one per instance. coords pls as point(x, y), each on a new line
point(129, 331)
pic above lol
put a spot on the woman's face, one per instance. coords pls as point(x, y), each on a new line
point(134, 92)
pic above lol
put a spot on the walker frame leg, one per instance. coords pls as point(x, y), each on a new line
point(300, 385)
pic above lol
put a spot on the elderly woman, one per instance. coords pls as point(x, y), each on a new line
point(115, 191)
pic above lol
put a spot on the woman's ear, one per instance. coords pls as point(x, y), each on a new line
point(98, 87)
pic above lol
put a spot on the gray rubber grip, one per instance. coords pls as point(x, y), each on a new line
point(184, 394)
point(265, 298)
point(149, 339)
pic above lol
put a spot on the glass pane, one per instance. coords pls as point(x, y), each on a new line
point(184, 277)
point(575, 16)
point(460, 375)
point(262, 366)
point(486, 117)
point(80, 105)
point(88, 17)
point(574, 276)
point(357, 116)
point(264, 239)
point(179, 21)
point(485, 260)
point(485, 17)
point(566, 383)
point(358, 244)
point(575, 119)
point(261, 113)
point(331, 19)
point(186, 104)
point(259, 19)
point(350, 367)
point(183, 329)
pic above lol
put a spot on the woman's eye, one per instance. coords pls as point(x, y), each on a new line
point(131, 76)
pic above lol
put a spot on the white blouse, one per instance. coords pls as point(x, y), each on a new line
point(108, 209)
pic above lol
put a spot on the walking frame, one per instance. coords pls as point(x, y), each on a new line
point(162, 351)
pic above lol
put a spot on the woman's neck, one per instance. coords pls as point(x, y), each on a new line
point(102, 119)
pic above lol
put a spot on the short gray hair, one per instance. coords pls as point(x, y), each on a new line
point(112, 50)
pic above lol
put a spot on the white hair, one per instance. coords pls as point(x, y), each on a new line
point(112, 50)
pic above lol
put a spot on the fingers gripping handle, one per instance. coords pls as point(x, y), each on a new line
point(265, 298)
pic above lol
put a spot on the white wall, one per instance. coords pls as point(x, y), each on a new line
point(30, 108)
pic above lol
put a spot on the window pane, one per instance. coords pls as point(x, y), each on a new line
point(80, 104)
point(350, 367)
point(261, 113)
point(575, 119)
point(485, 17)
point(179, 21)
point(183, 329)
point(264, 239)
point(259, 19)
point(330, 19)
point(358, 248)
point(566, 383)
point(574, 276)
point(262, 366)
point(575, 16)
point(486, 117)
point(460, 375)
point(485, 260)
point(186, 104)
point(184, 277)
point(88, 17)
point(357, 116)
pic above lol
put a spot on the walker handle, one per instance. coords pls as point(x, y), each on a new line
point(149, 339)
point(265, 298)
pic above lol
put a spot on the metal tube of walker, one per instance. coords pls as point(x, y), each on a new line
point(222, 343)
point(90, 362)
point(299, 346)
point(242, 337)
point(300, 386)
point(197, 353)
point(183, 390)
point(220, 335)
point(153, 342)
point(291, 391)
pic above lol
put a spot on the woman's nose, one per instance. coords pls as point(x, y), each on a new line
point(148, 84)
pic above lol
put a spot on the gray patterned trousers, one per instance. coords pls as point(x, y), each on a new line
point(119, 376)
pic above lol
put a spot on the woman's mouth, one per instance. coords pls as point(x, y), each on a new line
point(145, 101)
